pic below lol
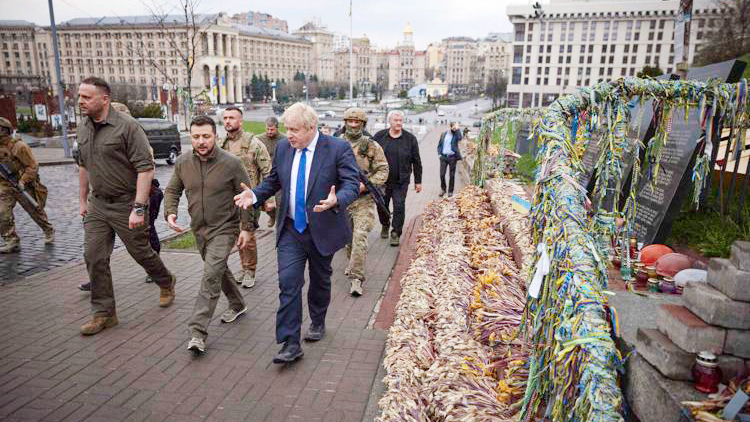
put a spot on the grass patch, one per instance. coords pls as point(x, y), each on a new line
point(26, 111)
point(525, 168)
point(259, 127)
point(184, 241)
point(707, 231)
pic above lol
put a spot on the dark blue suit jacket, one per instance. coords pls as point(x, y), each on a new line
point(332, 164)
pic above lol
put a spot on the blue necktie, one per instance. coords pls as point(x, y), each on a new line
point(300, 219)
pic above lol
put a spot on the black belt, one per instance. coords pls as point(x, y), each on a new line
point(113, 198)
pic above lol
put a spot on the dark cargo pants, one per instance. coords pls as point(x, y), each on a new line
point(102, 221)
point(216, 278)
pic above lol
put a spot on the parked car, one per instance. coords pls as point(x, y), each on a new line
point(163, 137)
point(478, 123)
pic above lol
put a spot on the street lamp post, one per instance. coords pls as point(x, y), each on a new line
point(60, 86)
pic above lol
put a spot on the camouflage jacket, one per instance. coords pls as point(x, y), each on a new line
point(370, 159)
point(17, 156)
point(251, 152)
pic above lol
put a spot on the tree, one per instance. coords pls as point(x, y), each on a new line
point(730, 35)
point(496, 86)
point(299, 76)
point(650, 72)
point(183, 33)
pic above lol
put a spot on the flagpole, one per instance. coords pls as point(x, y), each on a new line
point(351, 55)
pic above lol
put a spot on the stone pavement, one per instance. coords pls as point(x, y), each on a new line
point(62, 210)
point(141, 370)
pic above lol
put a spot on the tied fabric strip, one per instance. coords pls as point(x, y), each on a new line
point(542, 269)
point(300, 218)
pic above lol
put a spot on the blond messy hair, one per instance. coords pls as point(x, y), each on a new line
point(301, 113)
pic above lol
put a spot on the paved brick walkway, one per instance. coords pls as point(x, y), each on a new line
point(140, 369)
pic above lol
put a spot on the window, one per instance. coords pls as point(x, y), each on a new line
point(518, 53)
point(627, 48)
point(516, 79)
point(652, 24)
point(519, 29)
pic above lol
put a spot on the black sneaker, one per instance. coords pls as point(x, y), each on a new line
point(384, 232)
point(288, 354)
point(149, 279)
point(315, 332)
point(86, 287)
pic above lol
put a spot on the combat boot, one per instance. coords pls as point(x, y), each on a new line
point(98, 323)
point(395, 238)
point(356, 287)
point(11, 246)
point(49, 237)
point(166, 296)
point(384, 232)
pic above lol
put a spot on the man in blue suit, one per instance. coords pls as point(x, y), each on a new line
point(318, 179)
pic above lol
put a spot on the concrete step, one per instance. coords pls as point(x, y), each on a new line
point(689, 332)
point(740, 255)
point(671, 361)
point(728, 279)
point(715, 308)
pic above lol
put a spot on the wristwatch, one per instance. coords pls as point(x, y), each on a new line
point(140, 209)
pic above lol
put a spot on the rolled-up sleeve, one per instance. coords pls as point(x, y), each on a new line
point(139, 153)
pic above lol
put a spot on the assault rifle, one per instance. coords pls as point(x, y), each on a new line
point(375, 193)
point(11, 178)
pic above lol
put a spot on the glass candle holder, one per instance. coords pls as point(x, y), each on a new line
point(706, 373)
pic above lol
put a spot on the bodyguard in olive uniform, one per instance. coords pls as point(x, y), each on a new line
point(270, 138)
point(372, 162)
point(18, 160)
point(115, 160)
point(210, 177)
point(254, 157)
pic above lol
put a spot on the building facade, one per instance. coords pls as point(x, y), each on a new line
point(27, 58)
point(582, 42)
point(322, 59)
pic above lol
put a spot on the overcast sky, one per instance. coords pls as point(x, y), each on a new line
point(382, 20)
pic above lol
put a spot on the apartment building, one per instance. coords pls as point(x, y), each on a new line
point(582, 42)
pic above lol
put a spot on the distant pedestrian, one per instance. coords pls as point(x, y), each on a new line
point(210, 177)
point(402, 152)
point(22, 171)
point(449, 154)
point(116, 163)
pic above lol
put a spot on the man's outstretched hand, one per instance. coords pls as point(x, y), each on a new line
point(246, 198)
point(328, 203)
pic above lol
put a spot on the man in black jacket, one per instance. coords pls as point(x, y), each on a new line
point(449, 155)
point(402, 152)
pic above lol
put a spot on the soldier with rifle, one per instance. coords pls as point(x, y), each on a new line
point(373, 171)
point(19, 182)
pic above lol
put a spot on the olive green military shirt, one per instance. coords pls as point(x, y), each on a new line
point(114, 152)
point(270, 143)
point(210, 185)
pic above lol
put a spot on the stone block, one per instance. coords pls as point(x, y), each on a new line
point(688, 332)
point(740, 255)
point(673, 362)
point(738, 343)
point(725, 277)
point(715, 308)
point(731, 367)
point(654, 398)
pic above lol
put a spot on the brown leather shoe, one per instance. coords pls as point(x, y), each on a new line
point(166, 297)
point(98, 323)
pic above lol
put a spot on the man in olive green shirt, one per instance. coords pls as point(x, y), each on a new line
point(270, 138)
point(257, 162)
point(210, 177)
point(116, 162)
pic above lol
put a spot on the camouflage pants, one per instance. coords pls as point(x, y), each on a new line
point(8, 199)
point(362, 215)
point(249, 255)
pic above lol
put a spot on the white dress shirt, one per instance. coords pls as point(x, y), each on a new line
point(295, 169)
